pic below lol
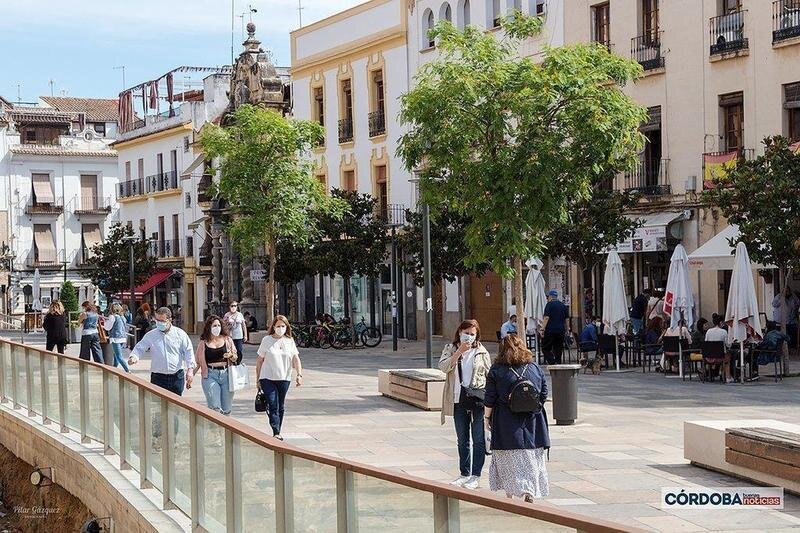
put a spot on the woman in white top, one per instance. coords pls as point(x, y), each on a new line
point(237, 327)
point(277, 356)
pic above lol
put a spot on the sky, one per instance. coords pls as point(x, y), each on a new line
point(78, 43)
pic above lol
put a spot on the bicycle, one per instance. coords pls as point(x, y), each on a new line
point(357, 335)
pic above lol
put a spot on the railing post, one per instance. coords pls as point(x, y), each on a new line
point(84, 388)
point(445, 514)
point(29, 379)
point(167, 453)
point(108, 429)
point(45, 390)
point(230, 481)
point(144, 442)
point(284, 498)
point(194, 473)
point(14, 375)
point(4, 346)
point(123, 427)
point(346, 503)
point(62, 394)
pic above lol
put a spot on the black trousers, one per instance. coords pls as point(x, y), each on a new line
point(553, 347)
point(56, 344)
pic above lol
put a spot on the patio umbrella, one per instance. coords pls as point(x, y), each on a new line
point(678, 298)
point(742, 312)
point(615, 303)
point(37, 303)
point(536, 298)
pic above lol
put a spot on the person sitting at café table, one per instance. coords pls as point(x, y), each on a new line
point(680, 331)
point(772, 342)
point(652, 334)
point(509, 326)
point(590, 334)
point(716, 334)
point(699, 332)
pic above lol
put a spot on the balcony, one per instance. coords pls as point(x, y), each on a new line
point(45, 259)
point(646, 49)
point(130, 188)
point(345, 130)
point(391, 214)
point(93, 206)
point(165, 181)
point(650, 178)
point(45, 209)
point(785, 20)
point(161, 249)
point(203, 186)
point(717, 164)
point(377, 123)
point(726, 34)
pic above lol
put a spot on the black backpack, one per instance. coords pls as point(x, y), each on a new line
point(524, 397)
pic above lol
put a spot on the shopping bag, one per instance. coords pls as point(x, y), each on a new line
point(238, 377)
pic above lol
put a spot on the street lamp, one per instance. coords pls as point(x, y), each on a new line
point(394, 214)
point(428, 284)
point(130, 240)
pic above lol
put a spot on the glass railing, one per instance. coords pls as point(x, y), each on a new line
point(228, 476)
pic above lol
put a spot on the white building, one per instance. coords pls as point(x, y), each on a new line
point(58, 177)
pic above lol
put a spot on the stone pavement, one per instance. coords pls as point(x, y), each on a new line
point(626, 445)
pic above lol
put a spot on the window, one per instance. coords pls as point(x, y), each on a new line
point(730, 6)
point(445, 12)
point(600, 24)
point(159, 164)
point(44, 247)
point(791, 102)
point(140, 168)
point(142, 229)
point(319, 106)
point(427, 41)
point(494, 21)
point(127, 170)
point(349, 180)
point(90, 234)
point(377, 81)
point(377, 117)
point(732, 108)
point(99, 128)
point(382, 191)
point(30, 136)
point(540, 8)
point(323, 179)
point(173, 160)
point(346, 120)
point(42, 189)
point(188, 199)
point(651, 156)
point(185, 143)
point(462, 14)
point(650, 20)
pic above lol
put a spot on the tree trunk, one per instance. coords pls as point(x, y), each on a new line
point(346, 292)
point(784, 273)
point(519, 297)
point(270, 296)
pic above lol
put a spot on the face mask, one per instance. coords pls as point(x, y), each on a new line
point(513, 322)
point(216, 330)
point(280, 330)
point(161, 326)
point(465, 337)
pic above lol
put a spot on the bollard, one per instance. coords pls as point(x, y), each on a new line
point(564, 379)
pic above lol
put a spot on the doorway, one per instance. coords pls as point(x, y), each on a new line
point(486, 302)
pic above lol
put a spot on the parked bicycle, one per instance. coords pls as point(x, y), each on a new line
point(348, 335)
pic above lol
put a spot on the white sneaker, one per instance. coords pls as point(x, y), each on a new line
point(472, 482)
point(460, 481)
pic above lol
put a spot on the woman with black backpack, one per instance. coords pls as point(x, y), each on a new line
point(515, 394)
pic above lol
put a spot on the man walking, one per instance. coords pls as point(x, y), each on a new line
point(171, 354)
point(553, 328)
point(791, 303)
point(639, 310)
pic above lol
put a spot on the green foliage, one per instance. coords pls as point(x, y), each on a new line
point(761, 197)
point(448, 250)
point(69, 297)
point(509, 142)
point(110, 262)
point(265, 178)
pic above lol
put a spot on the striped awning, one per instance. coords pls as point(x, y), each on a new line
point(42, 189)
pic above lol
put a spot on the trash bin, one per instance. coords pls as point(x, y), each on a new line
point(564, 379)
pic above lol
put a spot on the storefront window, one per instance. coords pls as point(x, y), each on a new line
point(359, 298)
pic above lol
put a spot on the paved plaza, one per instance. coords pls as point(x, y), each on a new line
point(626, 445)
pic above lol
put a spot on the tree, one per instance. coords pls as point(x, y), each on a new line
point(110, 261)
point(761, 197)
point(448, 250)
point(69, 297)
point(268, 181)
point(592, 226)
point(509, 142)
point(353, 244)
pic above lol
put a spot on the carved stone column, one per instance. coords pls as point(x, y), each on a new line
point(216, 263)
point(247, 285)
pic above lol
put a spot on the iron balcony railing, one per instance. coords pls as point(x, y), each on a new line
point(161, 249)
point(345, 130)
point(377, 123)
point(646, 49)
point(130, 188)
point(54, 208)
point(45, 258)
point(225, 475)
point(785, 20)
point(94, 205)
point(649, 178)
point(726, 33)
point(203, 188)
point(391, 214)
point(164, 181)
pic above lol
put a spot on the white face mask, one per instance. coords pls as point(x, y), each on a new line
point(216, 330)
point(280, 330)
point(466, 337)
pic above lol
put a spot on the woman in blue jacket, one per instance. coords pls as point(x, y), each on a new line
point(519, 440)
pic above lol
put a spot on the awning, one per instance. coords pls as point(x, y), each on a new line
point(42, 189)
point(197, 223)
point(43, 239)
point(91, 236)
point(156, 278)
point(198, 162)
point(651, 235)
point(717, 253)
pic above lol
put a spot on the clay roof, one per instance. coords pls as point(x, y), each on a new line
point(96, 109)
point(59, 151)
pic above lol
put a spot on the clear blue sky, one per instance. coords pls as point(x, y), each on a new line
point(78, 42)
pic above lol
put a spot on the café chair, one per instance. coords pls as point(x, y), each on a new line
point(713, 357)
point(677, 347)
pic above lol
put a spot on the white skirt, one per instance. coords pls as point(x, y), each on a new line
point(519, 472)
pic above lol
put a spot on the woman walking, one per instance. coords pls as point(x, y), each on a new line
point(90, 338)
point(519, 439)
point(237, 328)
point(55, 325)
point(144, 321)
point(277, 356)
point(466, 362)
point(117, 328)
point(215, 352)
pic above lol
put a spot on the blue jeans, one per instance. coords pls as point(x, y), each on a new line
point(637, 324)
point(275, 391)
point(118, 359)
point(172, 382)
point(215, 387)
point(469, 423)
point(239, 344)
point(90, 345)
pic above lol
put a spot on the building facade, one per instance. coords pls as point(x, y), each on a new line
point(58, 176)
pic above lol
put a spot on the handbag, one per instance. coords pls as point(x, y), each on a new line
point(238, 377)
point(261, 402)
point(101, 333)
point(469, 395)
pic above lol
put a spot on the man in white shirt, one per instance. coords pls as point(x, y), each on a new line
point(509, 326)
point(171, 354)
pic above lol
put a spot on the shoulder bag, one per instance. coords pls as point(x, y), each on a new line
point(469, 395)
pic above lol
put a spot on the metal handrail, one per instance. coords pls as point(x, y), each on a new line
point(785, 20)
point(17, 362)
